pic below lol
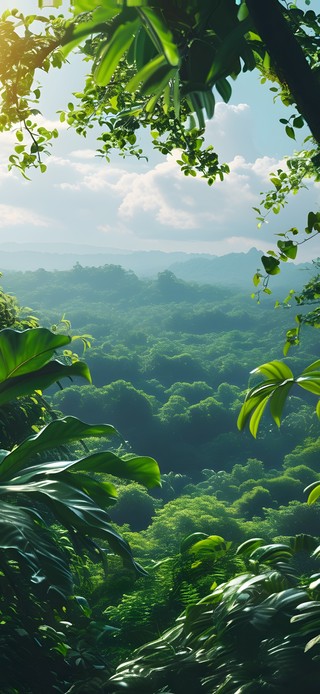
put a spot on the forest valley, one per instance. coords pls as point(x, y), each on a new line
point(169, 361)
point(114, 576)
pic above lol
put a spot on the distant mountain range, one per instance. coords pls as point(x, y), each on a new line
point(233, 269)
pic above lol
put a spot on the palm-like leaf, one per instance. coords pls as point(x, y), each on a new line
point(274, 391)
point(77, 501)
point(168, 65)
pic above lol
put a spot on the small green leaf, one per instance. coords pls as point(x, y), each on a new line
point(242, 11)
point(271, 265)
point(290, 132)
point(256, 279)
point(314, 495)
point(288, 248)
point(298, 122)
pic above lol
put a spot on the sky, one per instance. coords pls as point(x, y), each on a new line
point(150, 205)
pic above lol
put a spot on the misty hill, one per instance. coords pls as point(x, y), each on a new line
point(51, 256)
point(233, 269)
point(237, 269)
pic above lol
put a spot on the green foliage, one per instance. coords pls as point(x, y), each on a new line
point(36, 569)
point(187, 515)
point(256, 630)
point(8, 310)
point(27, 364)
point(157, 68)
point(76, 500)
point(296, 517)
point(252, 503)
point(134, 507)
point(206, 362)
point(306, 453)
point(274, 390)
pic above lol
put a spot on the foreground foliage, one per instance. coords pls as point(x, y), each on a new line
point(37, 562)
point(258, 631)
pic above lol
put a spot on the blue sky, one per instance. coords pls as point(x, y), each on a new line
point(150, 205)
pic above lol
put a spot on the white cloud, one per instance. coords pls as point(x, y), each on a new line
point(83, 154)
point(15, 216)
point(152, 205)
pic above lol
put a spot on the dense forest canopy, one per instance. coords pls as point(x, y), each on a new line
point(159, 66)
point(169, 369)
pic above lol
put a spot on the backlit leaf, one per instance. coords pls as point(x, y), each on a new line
point(113, 51)
point(160, 34)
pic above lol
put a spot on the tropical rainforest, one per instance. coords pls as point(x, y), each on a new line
point(148, 541)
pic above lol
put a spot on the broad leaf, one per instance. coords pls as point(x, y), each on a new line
point(146, 72)
point(249, 545)
point(50, 373)
point(57, 433)
point(33, 547)
point(276, 370)
point(278, 400)
point(28, 350)
point(75, 509)
point(191, 540)
point(113, 51)
point(211, 546)
point(314, 493)
point(271, 553)
point(160, 34)
point(137, 468)
point(25, 362)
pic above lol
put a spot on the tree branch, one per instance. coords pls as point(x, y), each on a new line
point(289, 59)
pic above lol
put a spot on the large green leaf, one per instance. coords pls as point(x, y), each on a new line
point(310, 380)
point(96, 25)
point(277, 370)
point(113, 51)
point(57, 433)
point(25, 362)
point(228, 52)
point(212, 546)
point(144, 49)
point(271, 553)
point(140, 469)
point(313, 492)
point(32, 546)
point(50, 373)
point(278, 400)
point(160, 34)
point(27, 350)
point(147, 71)
point(74, 509)
point(276, 391)
point(249, 545)
point(76, 500)
point(257, 397)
